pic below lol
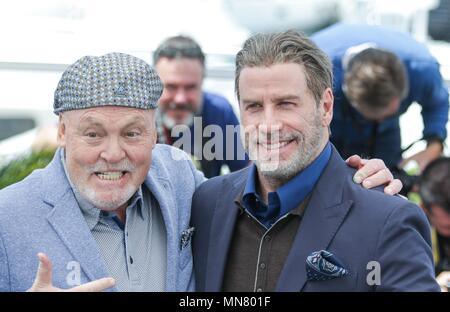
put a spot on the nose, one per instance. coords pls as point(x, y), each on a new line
point(113, 152)
point(180, 96)
point(270, 122)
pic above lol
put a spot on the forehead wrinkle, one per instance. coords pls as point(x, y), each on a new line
point(284, 97)
point(115, 118)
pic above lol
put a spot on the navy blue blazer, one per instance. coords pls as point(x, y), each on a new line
point(355, 224)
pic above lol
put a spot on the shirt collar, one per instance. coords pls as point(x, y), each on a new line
point(295, 191)
point(90, 212)
point(289, 196)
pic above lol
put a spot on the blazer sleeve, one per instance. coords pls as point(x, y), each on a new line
point(404, 251)
point(434, 100)
point(5, 284)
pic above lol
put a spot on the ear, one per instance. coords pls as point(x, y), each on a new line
point(154, 138)
point(326, 107)
point(154, 131)
point(61, 138)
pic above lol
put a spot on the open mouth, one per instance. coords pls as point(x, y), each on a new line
point(110, 175)
point(275, 145)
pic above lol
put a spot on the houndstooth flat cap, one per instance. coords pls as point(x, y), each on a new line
point(111, 79)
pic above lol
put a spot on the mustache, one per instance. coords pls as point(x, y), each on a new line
point(124, 165)
point(187, 107)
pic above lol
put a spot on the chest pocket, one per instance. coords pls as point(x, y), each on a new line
point(186, 247)
point(345, 283)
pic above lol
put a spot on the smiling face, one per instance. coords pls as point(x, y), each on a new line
point(285, 129)
point(182, 95)
point(108, 152)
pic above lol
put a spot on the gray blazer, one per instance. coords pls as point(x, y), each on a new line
point(40, 214)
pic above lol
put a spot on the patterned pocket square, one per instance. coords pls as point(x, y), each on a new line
point(186, 236)
point(323, 265)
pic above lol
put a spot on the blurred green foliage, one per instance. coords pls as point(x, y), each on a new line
point(17, 169)
point(414, 197)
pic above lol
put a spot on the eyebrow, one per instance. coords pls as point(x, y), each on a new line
point(276, 98)
point(90, 121)
point(135, 121)
point(280, 98)
point(247, 102)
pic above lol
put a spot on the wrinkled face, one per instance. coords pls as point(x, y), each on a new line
point(440, 218)
point(182, 95)
point(284, 128)
point(108, 152)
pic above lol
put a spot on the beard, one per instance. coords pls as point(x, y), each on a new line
point(170, 122)
point(271, 166)
point(115, 199)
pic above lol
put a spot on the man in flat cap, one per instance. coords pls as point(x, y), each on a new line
point(111, 211)
point(111, 203)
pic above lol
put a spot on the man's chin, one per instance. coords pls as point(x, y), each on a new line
point(108, 204)
point(108, 200)
point(268, 166)
point(282, 170)
point(170, 122)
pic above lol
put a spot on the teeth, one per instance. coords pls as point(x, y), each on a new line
point(273, 146)
point(110, 176)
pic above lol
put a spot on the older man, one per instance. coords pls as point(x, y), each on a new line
point(295, 221)
point(111, 203)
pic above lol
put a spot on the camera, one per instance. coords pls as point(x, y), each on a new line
point(408, 181)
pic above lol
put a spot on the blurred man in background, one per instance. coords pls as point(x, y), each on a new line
point(378, 74)
point(180, 62)
point(434, 188)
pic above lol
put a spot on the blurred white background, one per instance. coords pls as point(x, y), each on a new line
point(40, 38)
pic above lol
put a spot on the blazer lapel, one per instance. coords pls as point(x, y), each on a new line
point(325, 213)
point(162, 191)
point(68, 222)
point(222, 229)
point(66, 219)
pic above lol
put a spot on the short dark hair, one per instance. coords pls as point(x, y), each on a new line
point(374, 77)
point(434, 184)
point(179, 47)
point(290, 46)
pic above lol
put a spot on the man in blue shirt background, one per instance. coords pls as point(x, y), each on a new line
point(180, 63)
point(378, 74)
